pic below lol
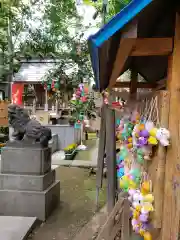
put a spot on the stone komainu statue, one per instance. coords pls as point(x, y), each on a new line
point(26, 129)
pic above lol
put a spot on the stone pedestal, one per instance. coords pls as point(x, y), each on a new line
point(27, 183)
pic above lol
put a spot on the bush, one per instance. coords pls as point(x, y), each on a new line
point(70, 148)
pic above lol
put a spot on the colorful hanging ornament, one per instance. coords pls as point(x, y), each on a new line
point(56, 85)
point(45, 86)
point(48, 87)
point(52, 84)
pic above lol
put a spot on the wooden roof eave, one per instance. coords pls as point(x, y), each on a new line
point(137, 47)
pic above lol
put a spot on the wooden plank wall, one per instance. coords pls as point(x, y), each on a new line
point(171, 210)
point(156, 166)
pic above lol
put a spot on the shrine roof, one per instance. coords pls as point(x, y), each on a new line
point(148, 18)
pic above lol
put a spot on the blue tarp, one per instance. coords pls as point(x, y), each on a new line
point(115, 24)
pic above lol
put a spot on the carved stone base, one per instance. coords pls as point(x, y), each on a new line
point(32, 161)
point(30, 203)
point(26, 182)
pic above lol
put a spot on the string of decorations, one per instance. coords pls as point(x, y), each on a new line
point(138, 135)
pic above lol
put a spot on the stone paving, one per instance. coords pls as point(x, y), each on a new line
point(15, 228)
point(77, 206)
point(87, 158)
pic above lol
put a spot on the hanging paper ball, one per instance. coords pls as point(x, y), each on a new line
point(143, 217)
point(81, 117)
point(140, 151)
point(78, 93)
point(134, 222)
point(141, 232)
point(141, 127)
point(148, 198)
point(124, 183)
point(121, 158)
point(83, 99)
point(140, 159)
point(130, 145)
point(132, 184)
point(45, 86)
point(124, 152)
point(74, 97)
point(149, 125)
point(153, 132)
point(56, 85)
point(52, 84)
point(146, 187)
point(144, 133)
point(48, 87)
point(142, 141)
point(120, 172)
point(147, 236)
point(81, 86)
point(152, 140)
point(86, 90)
point(136, 173)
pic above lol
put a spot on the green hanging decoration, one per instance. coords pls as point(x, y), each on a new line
point(140, 159)
point(57, 85)
point(48, 87)
point(81, 116)
point(82, 94)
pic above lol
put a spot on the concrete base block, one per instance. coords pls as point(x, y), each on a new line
point(33, 161)
point(16, 228)
point(26, 182)
point(30, 203)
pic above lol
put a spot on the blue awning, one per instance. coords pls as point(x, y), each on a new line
point(117, 23)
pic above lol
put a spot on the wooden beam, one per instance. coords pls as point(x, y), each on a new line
point(171, 209)
point(112, 227)
point(139, 47)
point(152, 47)
point(123, 53)
point(139, 85)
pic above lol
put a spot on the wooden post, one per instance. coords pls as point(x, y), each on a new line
point(160, 161)
point(171, 209)
point(111, 158)
point(101, 149)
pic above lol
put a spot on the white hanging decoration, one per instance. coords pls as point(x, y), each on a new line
point(163, 135)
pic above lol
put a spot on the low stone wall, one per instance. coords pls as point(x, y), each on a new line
point(66, 135)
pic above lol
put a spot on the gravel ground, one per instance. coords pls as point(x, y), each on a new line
point(76, 208)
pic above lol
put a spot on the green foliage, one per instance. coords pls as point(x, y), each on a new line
point(12, 23)
point(114, 7)
point(51, 39)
